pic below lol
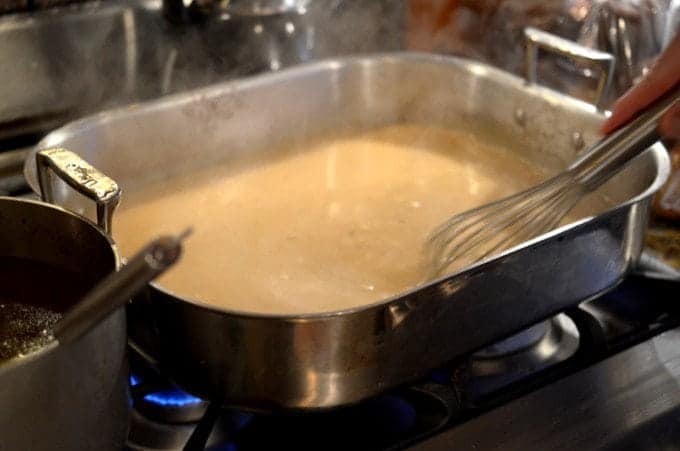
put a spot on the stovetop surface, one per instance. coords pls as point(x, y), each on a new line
point(628, 401)
point(604, 375)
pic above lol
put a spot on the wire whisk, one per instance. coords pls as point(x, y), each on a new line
point(483, 232)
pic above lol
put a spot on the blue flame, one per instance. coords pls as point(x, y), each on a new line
point(134, 380)
point(173, 397)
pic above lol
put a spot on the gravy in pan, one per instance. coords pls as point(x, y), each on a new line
point(338, 224)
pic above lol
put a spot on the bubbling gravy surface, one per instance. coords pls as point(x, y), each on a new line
point(338, 224)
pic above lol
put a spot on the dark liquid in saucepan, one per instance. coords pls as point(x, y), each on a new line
point(33, 296)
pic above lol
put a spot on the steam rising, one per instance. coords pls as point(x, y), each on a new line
point(100, 55)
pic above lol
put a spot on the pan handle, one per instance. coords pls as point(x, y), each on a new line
point(82, 177)
point(536, 39)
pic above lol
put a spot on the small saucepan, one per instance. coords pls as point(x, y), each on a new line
point(74, 395)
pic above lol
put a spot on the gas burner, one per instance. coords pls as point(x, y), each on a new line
point(378, 423)
point(522, 355)
point(170, 405)
point(146, 434)
point(165, 417)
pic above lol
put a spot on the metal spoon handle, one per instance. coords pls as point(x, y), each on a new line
point(117, 288)
point(614, 151)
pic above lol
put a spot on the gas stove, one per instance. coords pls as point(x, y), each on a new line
point(603, 375)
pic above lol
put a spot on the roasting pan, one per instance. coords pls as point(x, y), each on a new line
point(319, 361)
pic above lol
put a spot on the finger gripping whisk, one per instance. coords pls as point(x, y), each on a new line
point(483, 232)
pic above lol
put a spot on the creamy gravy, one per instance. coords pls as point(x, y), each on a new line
point(336, 225)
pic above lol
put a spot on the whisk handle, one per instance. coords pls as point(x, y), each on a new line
point(614, 151)
point(117, 288)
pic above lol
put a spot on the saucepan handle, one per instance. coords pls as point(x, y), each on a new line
point(82, 177)
point(536, 39)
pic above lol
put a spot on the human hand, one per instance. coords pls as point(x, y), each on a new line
point(663, 75)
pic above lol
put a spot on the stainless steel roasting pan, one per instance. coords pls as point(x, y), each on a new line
point(320, 361)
